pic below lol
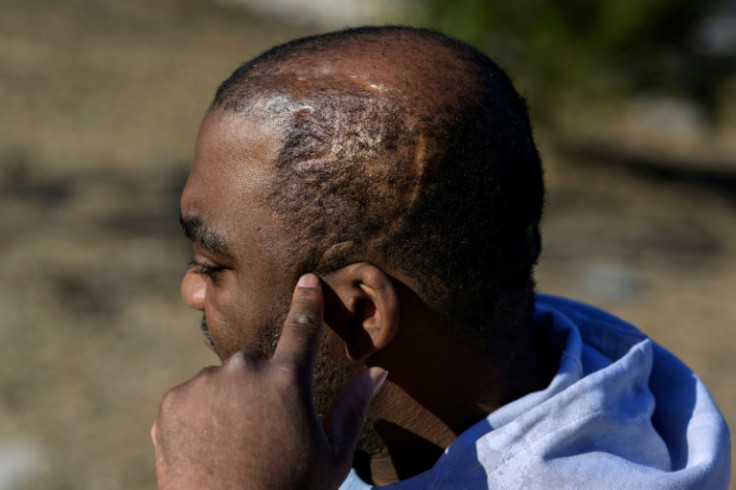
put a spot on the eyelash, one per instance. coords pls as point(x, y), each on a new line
point(210, 272)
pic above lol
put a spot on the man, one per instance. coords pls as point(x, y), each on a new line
point(390, 173)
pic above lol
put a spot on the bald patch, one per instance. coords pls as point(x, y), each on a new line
point(423, 71)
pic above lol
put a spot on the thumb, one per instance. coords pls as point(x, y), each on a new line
point(347, 415)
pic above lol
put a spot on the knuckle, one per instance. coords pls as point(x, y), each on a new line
point(237, 356)
point(235, 362)
point(170, 401)
point(303, 318)
point(158, 436)
point(154, 433)
point(243, 362)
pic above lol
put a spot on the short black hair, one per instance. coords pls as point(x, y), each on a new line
point(439, 180)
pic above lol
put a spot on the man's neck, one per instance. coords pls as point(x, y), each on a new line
point(442, 386)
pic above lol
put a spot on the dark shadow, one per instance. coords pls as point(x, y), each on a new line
point(673, 386)
point(18, 182)
point(154, 204)
point(718, 177)
point(394, 435)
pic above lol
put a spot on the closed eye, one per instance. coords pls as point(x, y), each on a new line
point(210, 271)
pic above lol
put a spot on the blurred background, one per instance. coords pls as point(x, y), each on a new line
point(634, 105)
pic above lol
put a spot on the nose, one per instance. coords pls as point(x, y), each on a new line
point(194, 290)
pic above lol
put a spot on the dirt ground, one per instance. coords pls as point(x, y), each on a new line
point(99, 105)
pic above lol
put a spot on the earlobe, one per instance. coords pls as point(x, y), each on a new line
point(367, 317)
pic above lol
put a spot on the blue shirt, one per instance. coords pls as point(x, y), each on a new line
point(620, 413)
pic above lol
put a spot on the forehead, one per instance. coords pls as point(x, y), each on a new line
point(233, 163)
point(231, 174)
point(236, 150)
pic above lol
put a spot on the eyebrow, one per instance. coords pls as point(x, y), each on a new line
point(199, 234)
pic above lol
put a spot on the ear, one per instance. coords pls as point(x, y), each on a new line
point(362, 308)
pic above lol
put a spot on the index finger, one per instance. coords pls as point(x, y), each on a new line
point(300, 334)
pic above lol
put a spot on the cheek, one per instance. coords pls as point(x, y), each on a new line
point(224, 316)
point(241, 320)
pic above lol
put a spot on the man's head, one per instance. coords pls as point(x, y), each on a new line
point(395, 147)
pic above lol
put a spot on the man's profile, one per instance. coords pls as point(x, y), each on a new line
point(392, 175)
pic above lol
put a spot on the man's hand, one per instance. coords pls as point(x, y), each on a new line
point(251, 423)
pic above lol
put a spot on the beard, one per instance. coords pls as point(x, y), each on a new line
point(332, 369)
point(261, 346)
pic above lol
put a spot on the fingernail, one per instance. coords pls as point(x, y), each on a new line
point(308, 281)
point(378, 375)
